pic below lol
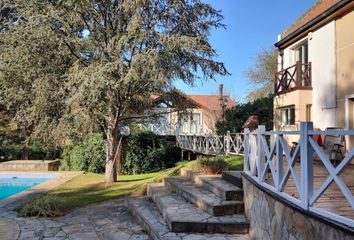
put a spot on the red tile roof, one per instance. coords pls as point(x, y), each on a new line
point(211, 102)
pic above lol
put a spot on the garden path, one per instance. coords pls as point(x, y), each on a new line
point(106, 220)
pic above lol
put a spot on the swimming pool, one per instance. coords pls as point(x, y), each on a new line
point(11, 184)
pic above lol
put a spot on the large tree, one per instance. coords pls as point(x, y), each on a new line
point(33, 63)
point(261, 74)
point(127, 50)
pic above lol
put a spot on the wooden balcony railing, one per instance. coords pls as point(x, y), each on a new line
point(293, 78)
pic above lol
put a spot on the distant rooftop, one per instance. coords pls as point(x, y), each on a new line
point(211, 102)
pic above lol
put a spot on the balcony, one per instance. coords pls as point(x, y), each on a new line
point(293, 78)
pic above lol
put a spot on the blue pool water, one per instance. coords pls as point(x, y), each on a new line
point(11, 184)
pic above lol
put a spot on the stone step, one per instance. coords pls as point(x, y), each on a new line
point(149, 216)
point(203, 198)
point(215, 184)
point(233, 177)
point(182, 216)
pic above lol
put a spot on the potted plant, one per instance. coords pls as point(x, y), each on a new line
point(212, 165)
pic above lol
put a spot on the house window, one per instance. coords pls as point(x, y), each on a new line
point(301, 53)
point(288, 115)
point(191, 123)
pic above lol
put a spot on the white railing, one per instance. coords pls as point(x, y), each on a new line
point(168, 129)
point(211, 144)
point(160, 129)
point(267, 156)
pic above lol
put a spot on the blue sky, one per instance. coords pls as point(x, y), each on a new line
point(252, 26)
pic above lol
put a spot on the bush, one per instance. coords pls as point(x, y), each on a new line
point(237, 116)
point(148, 153)
point(89, 155)
point(212, 165)
point(14, 151)
point(43, 206)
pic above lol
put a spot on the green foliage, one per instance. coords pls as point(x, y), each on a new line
point(235, 162)
point(44, 206)
point(237, 116)
point(212, 165)
point(13, 152)
point(33, 63)
point(88, 155)
point(148, 153)
point(98, 62)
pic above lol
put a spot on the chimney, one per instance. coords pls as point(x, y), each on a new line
point(222, 101)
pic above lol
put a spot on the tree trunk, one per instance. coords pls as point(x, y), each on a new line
point(111, 149)
point(122, 151)
point(25, 149)
point(25, 152)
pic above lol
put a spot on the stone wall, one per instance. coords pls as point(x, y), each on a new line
point(271, 219)
point(30, 165)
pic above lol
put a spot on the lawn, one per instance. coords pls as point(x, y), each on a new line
point(235, 162)
point(90, 187)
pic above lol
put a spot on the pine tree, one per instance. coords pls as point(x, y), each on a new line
point(126, 50)
point(33, 62)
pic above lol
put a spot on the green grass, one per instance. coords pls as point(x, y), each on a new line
point(90, 187)
point(235, 162)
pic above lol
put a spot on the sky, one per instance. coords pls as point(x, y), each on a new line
point(252, 26)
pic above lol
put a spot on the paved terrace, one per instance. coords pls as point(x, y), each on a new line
point(108, 220)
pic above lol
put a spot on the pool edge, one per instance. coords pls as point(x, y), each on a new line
point(18, 199)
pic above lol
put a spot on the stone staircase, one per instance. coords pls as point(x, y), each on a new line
point(193, 206)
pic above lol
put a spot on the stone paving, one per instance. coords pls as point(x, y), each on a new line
point(182, 214)
point(148, 214)
point(107, 220)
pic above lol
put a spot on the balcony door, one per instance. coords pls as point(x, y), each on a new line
point(301, 53)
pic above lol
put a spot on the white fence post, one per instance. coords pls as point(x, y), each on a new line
point(279, 161)
point(260, 152)
point(306, 156)
point(227, 143)
point(207, 144)
point(246, 156)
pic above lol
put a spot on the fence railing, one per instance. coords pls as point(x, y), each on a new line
point(294, 77)
point(270, 162)
point(211, 144)
point(160, 129)
point(168, 129)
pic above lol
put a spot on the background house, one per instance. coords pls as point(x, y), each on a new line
point(315, 81)
point(200, 116)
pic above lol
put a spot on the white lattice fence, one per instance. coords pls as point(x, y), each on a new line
point(270, 162)
point(212, 144)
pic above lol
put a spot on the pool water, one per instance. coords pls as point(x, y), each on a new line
point(11, 184)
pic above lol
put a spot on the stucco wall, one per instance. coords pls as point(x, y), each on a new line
point(271, 219)
point(345, 73)
point(322, 55)
point(345, 62)
point(300, 99)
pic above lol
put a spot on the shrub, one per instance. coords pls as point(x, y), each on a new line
point(89, 155)
point(212, 165)
point(149, 153)
point(43, 206)
point(14, 151)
